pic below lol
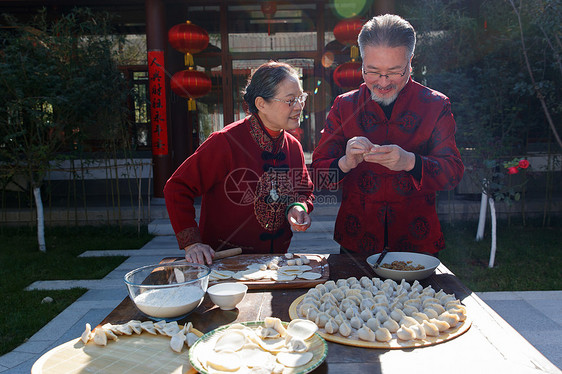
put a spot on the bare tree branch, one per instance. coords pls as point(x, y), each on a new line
point(540, 96)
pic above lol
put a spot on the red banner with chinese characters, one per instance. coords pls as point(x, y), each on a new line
point(157, 89)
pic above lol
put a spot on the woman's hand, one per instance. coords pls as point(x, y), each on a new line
point(298, 218)
point(199, 253)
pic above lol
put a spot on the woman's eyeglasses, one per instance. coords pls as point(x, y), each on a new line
point(301, 99)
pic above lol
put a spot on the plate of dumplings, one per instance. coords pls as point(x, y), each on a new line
point(373, 313)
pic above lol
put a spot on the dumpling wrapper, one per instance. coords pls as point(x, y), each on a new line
point(310, 275)
point(301, 329)
point(231, 340)
point(294, 359)
point(226, 361)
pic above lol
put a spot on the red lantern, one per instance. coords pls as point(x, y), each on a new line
point(190, 84)
point(188, 39)
point(348, 75)
point(347, 30)
point(268, 9)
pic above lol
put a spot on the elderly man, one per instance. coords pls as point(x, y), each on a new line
point(390, 145)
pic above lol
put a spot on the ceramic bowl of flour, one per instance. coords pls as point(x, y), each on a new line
point(168, 291)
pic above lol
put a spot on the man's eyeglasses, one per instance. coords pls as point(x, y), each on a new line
point(376, 74)
point(301, 99)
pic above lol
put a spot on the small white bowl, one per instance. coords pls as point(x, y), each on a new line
point(429, 262)
point(227, 295)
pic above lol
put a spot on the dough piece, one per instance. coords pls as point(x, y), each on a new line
point(301, 329)
point(383, 335)
point(305, 260)
point(298, 262)
point(86, 334)
point(293, 359)
point(291, 262)
point(288, 255)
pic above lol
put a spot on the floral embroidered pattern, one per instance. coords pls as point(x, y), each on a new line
point(263, 140)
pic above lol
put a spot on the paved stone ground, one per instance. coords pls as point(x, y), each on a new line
point(537, 316)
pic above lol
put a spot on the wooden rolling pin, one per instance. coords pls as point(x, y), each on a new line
point(227, 253)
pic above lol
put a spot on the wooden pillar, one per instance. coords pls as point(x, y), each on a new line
point(156, 38)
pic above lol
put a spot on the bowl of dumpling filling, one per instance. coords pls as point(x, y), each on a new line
point(404, 265)
point(168, 291)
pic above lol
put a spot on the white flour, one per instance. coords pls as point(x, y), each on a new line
point(169, 302)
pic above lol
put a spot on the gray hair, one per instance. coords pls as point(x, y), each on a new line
point(388, 30)
point(265, 80)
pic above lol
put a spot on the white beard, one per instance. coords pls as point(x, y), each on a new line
point(384, 100)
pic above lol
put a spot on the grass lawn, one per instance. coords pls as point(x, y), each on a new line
point(528, 258)
point(21, 312)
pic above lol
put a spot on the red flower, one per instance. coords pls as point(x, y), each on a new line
point(524, 164)
point(512, 170)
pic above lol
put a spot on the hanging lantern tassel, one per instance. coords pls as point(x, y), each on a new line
point(191, 105)
point(188, 59)
point(354, 54)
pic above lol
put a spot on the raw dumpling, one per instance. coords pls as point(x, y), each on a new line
point(86, 334)
point(322, 318)
point(408, 321)
point(356, 322)
point(330, 285)
point(419, 331)
point(391, 325)
point(430, 313)
point(437, 307)
point(345, 329)
point(331, 327)
point(177, 342)
point(405, 333)
point(148, 326)
point(397, 315)
point(441, 325)
point(366, 314)
point(451, 319)
point(382, 316)
point(373, 323)
point(100, 338)
point(460, 311)
point(338, 294)
point(430, 328)
point(382, 335)
point(365, 333)
point(420, 317)
point(409, 310)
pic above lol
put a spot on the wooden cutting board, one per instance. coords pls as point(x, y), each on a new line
point(318, 263)
point(139, 354)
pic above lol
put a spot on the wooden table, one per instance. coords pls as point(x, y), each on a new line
point(491, 345)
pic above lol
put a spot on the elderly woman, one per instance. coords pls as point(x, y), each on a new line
point(251, 175)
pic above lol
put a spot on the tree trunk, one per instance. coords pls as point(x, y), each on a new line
point(40, 219)
point(493, 217)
